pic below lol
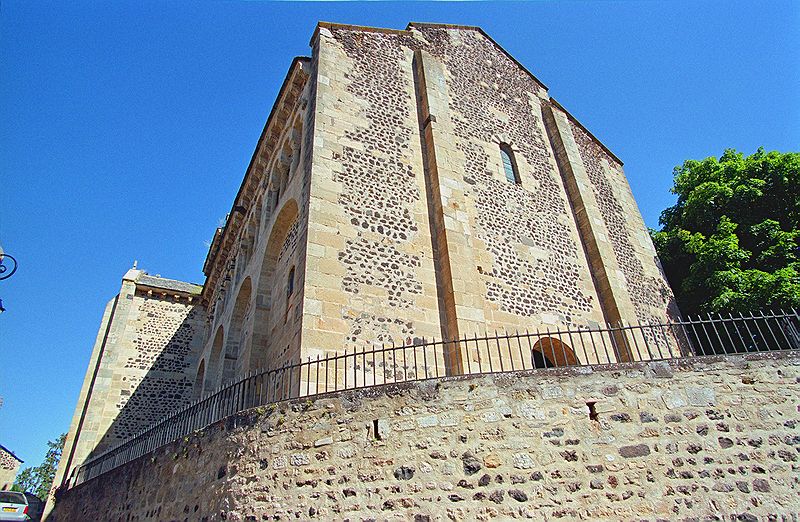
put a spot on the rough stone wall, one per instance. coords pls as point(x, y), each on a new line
point(527, 252)
point(9, 466)
point(151, 366)
point(685, 440)
point(143, 367)
point(369, 252)
point(369, 275)
point(515, 257)
point(353, 212)
point(649, 292)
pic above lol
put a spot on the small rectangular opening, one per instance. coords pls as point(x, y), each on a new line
point(592, 411)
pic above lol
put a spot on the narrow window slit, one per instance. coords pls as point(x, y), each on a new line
point(509, 164)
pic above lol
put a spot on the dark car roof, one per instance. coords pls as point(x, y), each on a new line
point(13, 497)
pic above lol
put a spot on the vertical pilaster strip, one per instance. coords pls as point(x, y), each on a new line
point(441, 253)
point(585, 210)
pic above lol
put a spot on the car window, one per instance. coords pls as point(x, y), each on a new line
point(12, 497)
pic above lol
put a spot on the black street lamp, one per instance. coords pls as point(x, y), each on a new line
point(7, 269)
point(8, 265)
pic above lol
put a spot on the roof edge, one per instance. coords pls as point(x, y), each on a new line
point(486, 35)
point(211, 257)
point(141, 278)
point(587, 131)
point(192, 289)
point(351, 27)
point(445, 26)
point(12, 454)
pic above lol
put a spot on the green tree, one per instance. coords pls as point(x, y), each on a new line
point(732, 241)
point(39, 479)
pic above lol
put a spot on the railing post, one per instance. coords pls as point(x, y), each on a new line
point(416, 368)
point(499, 353)
point(780, 328)
point(766, 322)
point(751, 338)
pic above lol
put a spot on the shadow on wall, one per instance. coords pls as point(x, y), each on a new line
point(157, 378)
point(160, 374)
point(35, 507)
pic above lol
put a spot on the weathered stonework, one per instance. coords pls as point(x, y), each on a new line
point(377, 210)
point(534, 263)
point(9, 466)
point(142, 368)
point(686, 440)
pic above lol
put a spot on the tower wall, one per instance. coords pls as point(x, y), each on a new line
point(143, 365)
point(408, 186)
point(518, 254)
point(9, 466)
point(370, 277)
point(415, 230)
point(396, 214)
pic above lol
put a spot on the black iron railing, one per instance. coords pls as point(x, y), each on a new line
point(476, 354)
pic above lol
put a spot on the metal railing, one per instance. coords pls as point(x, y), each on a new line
point(476, 354)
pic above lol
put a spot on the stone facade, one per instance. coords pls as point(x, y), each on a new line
point(376, 211)
point(408, 185)
point(142, 367)
point(693, 439)
point(9, 467)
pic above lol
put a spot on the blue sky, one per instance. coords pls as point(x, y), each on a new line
point(126, 127)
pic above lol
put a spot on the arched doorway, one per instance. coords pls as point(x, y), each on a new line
point(271, 292)
point(549, 352)
point(197, 391)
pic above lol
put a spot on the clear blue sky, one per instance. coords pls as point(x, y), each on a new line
point(126, 129)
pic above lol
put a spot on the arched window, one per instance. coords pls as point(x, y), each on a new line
point(509, 165)
point(198, 381)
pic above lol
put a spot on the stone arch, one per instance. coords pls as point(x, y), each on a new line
point(215, 362)
point(197, 391)
point(551, 352)
point(269, 291)
point(237, 331)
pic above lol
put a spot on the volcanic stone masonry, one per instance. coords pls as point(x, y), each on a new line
point(408, 185)
point(9, 466)
point(693, 439)
point(142, 365)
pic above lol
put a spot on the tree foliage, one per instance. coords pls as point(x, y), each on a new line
point(39, 479)
point(730, 243)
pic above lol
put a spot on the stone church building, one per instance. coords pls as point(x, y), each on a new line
point(408, 184)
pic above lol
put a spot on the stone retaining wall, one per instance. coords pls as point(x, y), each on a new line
point(688, 439)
